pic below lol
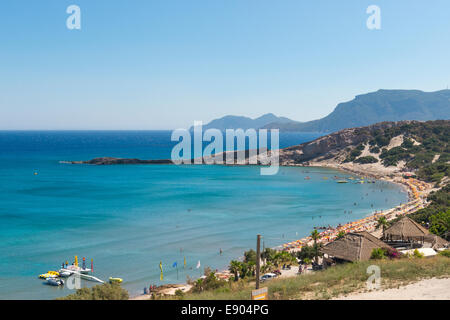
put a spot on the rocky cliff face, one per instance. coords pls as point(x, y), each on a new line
point(335, 145)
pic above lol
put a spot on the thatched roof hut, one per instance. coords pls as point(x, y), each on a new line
point(356, 246)
point(406, 229)
point(436, 241)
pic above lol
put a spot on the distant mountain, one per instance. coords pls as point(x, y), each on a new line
point(383, 105)
point(240, 122)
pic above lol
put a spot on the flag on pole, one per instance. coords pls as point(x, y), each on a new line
point(184, 262)
point(160, 268)
point(175, 265)
point(198, 264)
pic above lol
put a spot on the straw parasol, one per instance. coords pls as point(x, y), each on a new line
point(406, 229)
point(354, 246)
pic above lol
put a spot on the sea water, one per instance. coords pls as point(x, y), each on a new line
point(129, 218)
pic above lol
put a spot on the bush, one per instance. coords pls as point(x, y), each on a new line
point(374, 149)
point(211, 282)
point(365, 160)
point(393, 254)
point(179, 294)
point(105, 291)
point(382, 140)
point(407, 143)
point(378, 254)
point(445, 253)
point(417, 254)
point(354, 154)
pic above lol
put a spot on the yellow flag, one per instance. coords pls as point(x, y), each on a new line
point(160, 268)
point(185, 262)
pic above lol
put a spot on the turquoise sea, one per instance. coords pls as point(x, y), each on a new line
point(129, 218)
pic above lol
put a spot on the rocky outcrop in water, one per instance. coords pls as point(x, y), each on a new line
point(111, 161)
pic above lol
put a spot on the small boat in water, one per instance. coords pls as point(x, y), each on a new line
point(55, 282)
point(65, 273)
point(342, 181)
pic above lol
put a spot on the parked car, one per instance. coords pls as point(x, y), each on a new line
point(268, 276)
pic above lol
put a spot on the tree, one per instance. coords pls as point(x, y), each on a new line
point(235, 268)
point(440, 223)
point(382, 223)
point(250, 256)
point(268, 255)
point(307, 252)
point(315, 236)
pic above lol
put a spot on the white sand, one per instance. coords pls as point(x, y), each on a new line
point(430, 289)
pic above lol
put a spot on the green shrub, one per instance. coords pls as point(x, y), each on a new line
point(210, 282)
point(378, 254)
point(365, 160)
point(179, 294)
point(445, 253)
point(417, 254)
point(375, 149)
point(105, 291)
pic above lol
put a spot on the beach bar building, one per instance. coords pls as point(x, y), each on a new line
point(406, 232)
point(352, 247)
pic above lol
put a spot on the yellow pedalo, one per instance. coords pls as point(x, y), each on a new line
point(115, 280)
point(49, 274)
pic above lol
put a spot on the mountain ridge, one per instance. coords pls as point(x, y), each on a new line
point(243, 122)
point(379, 106)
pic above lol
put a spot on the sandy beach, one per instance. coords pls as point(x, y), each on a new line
point(417, 193)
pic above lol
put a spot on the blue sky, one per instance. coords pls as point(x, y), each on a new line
point(163, 64)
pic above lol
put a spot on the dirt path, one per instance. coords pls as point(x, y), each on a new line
point(430, 289)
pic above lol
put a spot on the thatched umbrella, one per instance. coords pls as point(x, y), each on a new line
point(406, 229)
point(356, 246)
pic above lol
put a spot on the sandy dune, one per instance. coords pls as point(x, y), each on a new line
point(430, 289)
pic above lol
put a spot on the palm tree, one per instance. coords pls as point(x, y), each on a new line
point(340, 235)
point(382, 223)
point(251, 269)
point(315, 236)
point(268, 267)
point(235, 268)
